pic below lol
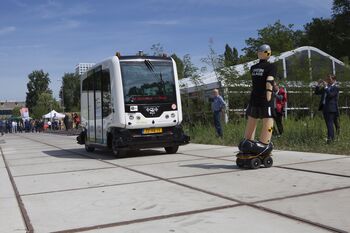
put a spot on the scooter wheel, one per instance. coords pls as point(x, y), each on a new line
point(268, 161)
point(240, 162)
point(255, 163)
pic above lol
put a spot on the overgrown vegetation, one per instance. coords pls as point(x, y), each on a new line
point(306, 134)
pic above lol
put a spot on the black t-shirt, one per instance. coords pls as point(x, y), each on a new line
point(259, 73)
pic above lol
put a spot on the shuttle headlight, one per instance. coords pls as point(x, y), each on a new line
point(172, 115)
point(131, 117)
point(166, 116)
point(138, 118)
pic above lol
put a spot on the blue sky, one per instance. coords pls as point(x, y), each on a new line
point(55, 35)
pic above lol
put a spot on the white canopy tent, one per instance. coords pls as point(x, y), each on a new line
point(54, 115)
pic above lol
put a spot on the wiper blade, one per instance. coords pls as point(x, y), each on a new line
point(149, 65)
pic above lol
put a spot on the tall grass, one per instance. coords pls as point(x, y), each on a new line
point(308, 134)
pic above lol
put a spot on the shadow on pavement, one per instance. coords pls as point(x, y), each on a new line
point(100, 154)
point(211, 166)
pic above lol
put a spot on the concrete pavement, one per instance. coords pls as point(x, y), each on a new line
point(48, 183)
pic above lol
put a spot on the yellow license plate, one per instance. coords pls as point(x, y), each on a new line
point(152, 130)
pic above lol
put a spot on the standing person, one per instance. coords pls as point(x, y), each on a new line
point(66, 121)
point(8, 126)
point(329, 92)
point(280, 102)
point(49, 124)
point(14, 127)
point(261, 105)
point(76, 120)
point(1, 127)
point(217, 106)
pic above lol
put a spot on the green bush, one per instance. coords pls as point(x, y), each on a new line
point(305, 134)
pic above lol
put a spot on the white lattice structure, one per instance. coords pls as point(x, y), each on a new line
point(210, 80)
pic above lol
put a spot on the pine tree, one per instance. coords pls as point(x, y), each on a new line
point(228, 56)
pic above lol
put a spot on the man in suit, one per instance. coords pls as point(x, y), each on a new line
point(329, 91)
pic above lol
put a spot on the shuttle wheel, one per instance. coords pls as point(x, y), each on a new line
point(116, 151)
point(89, 148)
point(171, 149)
point(119, 153)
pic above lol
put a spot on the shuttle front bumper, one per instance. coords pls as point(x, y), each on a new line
point(135, 139)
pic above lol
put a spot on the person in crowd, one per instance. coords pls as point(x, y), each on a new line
point(261, 105)
point(2, 127)
point(66, 121)
point(59, 124)
point(280, 103)
point(76, 120)
point(27, 126)
point(218, 104)
point(329, 91)
point(32, 126)
point(14, 127)
point(8, 126)
point(20, 126)
point(41, 126)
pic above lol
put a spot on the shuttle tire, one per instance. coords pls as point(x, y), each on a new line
point(117, 152)
point(171, 149)
point(89, 148)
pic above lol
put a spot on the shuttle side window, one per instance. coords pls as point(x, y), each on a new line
point(85, 84)
point(106, 93)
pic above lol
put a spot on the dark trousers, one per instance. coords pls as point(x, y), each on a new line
point(337, 124)
point(331, 120)
point(217, 123)
point(278, 120)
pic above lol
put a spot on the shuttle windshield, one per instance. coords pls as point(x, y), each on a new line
point(148, 81)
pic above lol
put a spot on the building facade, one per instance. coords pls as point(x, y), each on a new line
point(81, 68)
point(6, 108)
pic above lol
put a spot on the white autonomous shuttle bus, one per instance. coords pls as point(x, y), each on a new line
point(131, 102)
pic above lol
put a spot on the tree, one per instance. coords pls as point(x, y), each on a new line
point(230, 56)
point(281, 38)
point(213, 60)
point(332, 35)
point(324, 27)
point(70, 92)
point(157, 49)
point(45, 104)
point(38, 84)
point(341, 18)
point(222, 65)
point(16, 111)
point(179, 66)
point(341, 7)
point(190, 71)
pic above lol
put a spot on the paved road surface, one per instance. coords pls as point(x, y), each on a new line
point(48, 183)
